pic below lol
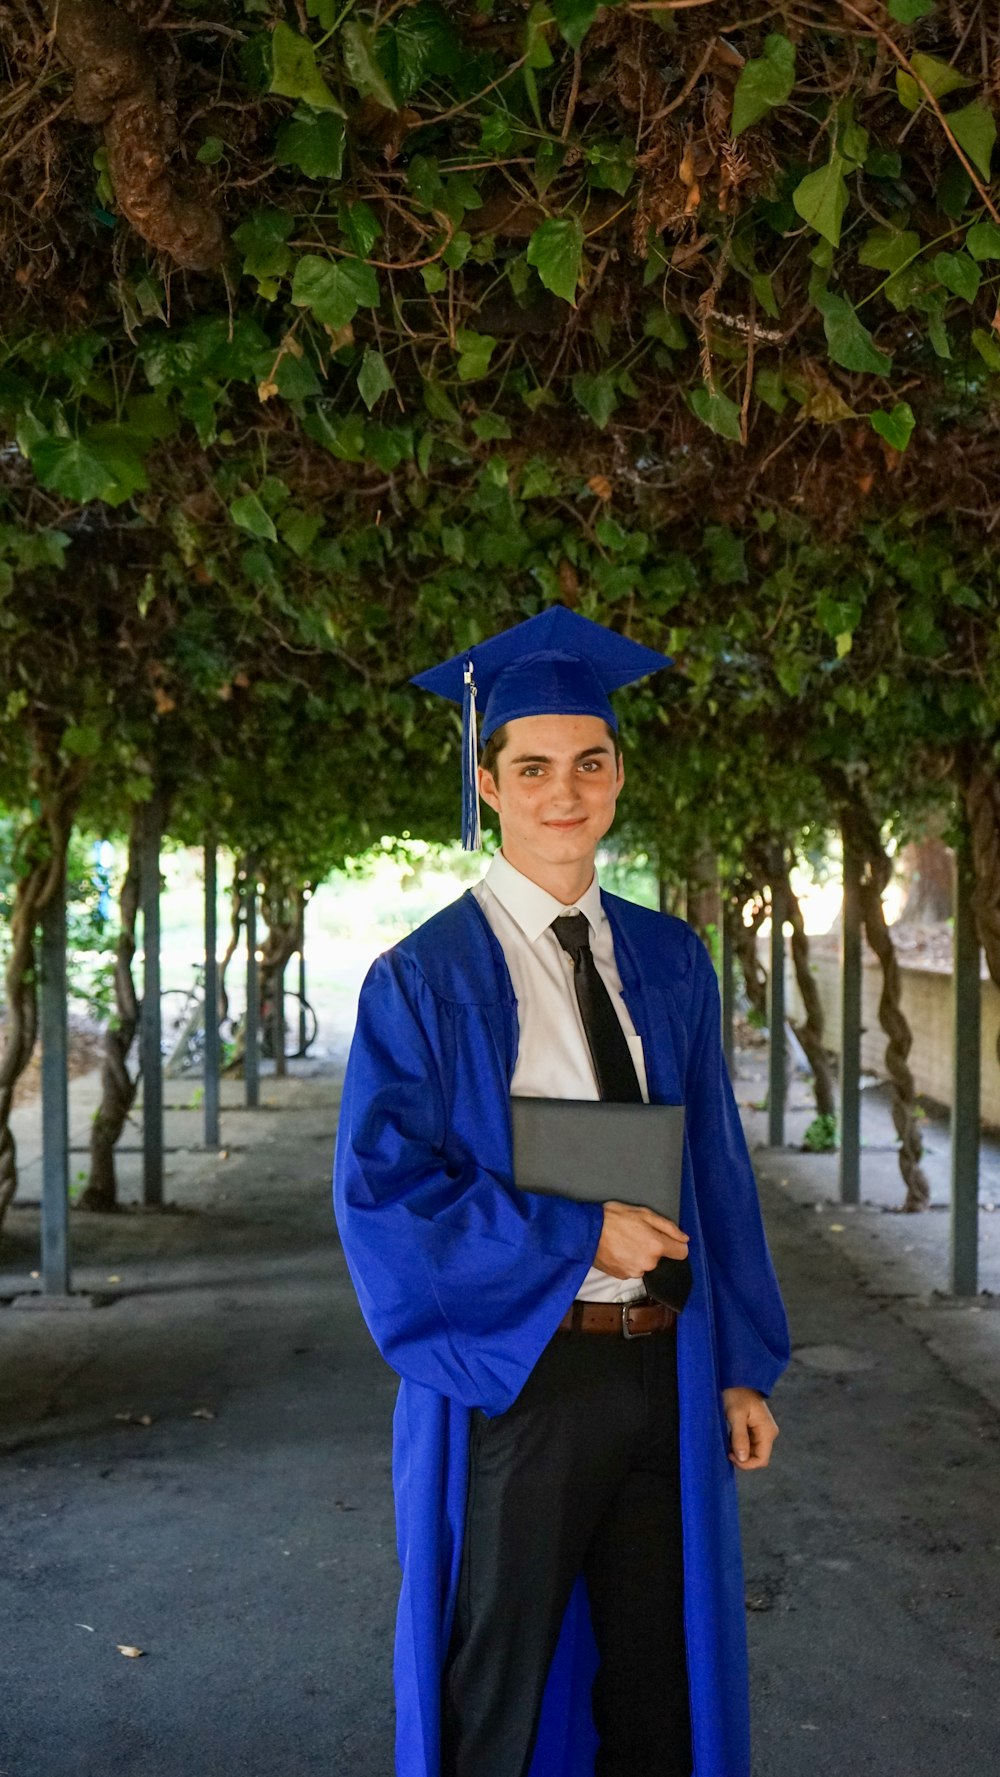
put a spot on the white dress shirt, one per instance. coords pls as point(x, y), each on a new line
point(553, 1058)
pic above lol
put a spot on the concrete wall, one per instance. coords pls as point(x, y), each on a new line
point(927, 1005)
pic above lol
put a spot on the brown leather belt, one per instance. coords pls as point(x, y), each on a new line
point(630, 1320)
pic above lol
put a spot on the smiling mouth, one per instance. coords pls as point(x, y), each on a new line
point(567, 824)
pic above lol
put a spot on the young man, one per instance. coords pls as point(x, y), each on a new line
point(565, 1447)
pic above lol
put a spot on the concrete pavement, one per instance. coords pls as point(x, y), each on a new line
point(243, 1538)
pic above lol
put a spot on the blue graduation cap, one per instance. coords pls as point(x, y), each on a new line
point(555, 664)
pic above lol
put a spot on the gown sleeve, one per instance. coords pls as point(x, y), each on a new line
point(750, 1323)
point(462, 1279)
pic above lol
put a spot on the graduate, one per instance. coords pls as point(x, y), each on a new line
point(581, 1382)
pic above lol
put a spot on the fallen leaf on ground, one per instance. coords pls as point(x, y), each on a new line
point(131, 1653)
point(114, 1278)
point(203, 1413)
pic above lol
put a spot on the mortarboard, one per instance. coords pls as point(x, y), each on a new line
point(555, 664)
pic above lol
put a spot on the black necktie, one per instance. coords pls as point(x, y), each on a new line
point(617, 1079)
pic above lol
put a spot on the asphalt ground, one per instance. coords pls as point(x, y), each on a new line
point(243, 1538)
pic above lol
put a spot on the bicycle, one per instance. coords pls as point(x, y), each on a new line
point(182, 1041)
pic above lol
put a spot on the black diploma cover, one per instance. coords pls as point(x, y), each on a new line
point(596, 1150)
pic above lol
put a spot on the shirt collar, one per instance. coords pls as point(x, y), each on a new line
point(532, 907)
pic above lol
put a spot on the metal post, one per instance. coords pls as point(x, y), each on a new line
point(850, 1031)
point(728, 987)
point(212, 1056)
point(777, 1078)
point(965, 1105)
point(302, 1001)
point(278, 1022)
point(251, 1059)
point(150, 1029)
point(55, 1098)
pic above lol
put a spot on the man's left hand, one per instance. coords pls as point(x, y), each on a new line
point(752, 1428)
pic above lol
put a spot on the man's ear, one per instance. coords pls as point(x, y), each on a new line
point(488, 790)
point(621, 776)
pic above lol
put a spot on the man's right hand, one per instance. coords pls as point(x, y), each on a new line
point(634, 1240)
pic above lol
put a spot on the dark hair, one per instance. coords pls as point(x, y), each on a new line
point(490, 756)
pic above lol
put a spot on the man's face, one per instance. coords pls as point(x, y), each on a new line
point(556, 788)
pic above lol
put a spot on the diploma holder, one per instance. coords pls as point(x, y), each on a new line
point(596, 1150)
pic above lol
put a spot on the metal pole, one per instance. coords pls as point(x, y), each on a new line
point(251, 1059)
point(302, 981)
point(278, 1022)
point(728, 986)
point(777, 1079)
point(965, 1104)
point(212, 1057)
point(850, 1031)
point(55, 1098)
point(150, 1029)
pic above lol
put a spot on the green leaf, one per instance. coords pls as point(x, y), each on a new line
point(974, 129)
point(91, 467)
point(343, 435)
point(850, 342)
point(597, 395)
point(883, 163)
point(958, 273)
point(660, 324)
point(821, 199)
point(248, 513)
point(939, 77)
point(611, 166)
point(887, 249)
point(556, 251)
point(334, 289)
point(907, 12)
point(983, 240)
point(211, 150)
point(490, 426)
point(325, 11)
point(548, 162)
point(764, 82)
point(313, 141)
point(419, 44)
point(475, 351)
point(360, 226)
point(896, 425)
point(299, 529)
point(717, 412)
point(985, 342)
point(769, 387)
point(374, 378)
point(294, 73)
point(439, 406)
point(362, 66)
point(574, 18)
point(262, 239)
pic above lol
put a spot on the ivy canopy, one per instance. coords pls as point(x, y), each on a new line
point(334, 336)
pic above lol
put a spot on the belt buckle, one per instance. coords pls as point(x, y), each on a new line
point(627, 1332)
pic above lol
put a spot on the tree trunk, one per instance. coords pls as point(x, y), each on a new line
point(235, 933)
point(118, 1087)
point(283, 909)
point(810, 1033)
point(704, 904)
point(927, 868)
point(42, 848)
point(980, 787)
point(863, 833)
point(745, 946)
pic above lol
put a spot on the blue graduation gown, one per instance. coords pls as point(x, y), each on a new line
point(463, 1280)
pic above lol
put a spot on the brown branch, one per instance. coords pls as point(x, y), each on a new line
point(116, 87)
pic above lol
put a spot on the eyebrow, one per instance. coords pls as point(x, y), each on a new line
point(544, 758)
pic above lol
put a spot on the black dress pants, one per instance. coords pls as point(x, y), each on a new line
point(579, 1475)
